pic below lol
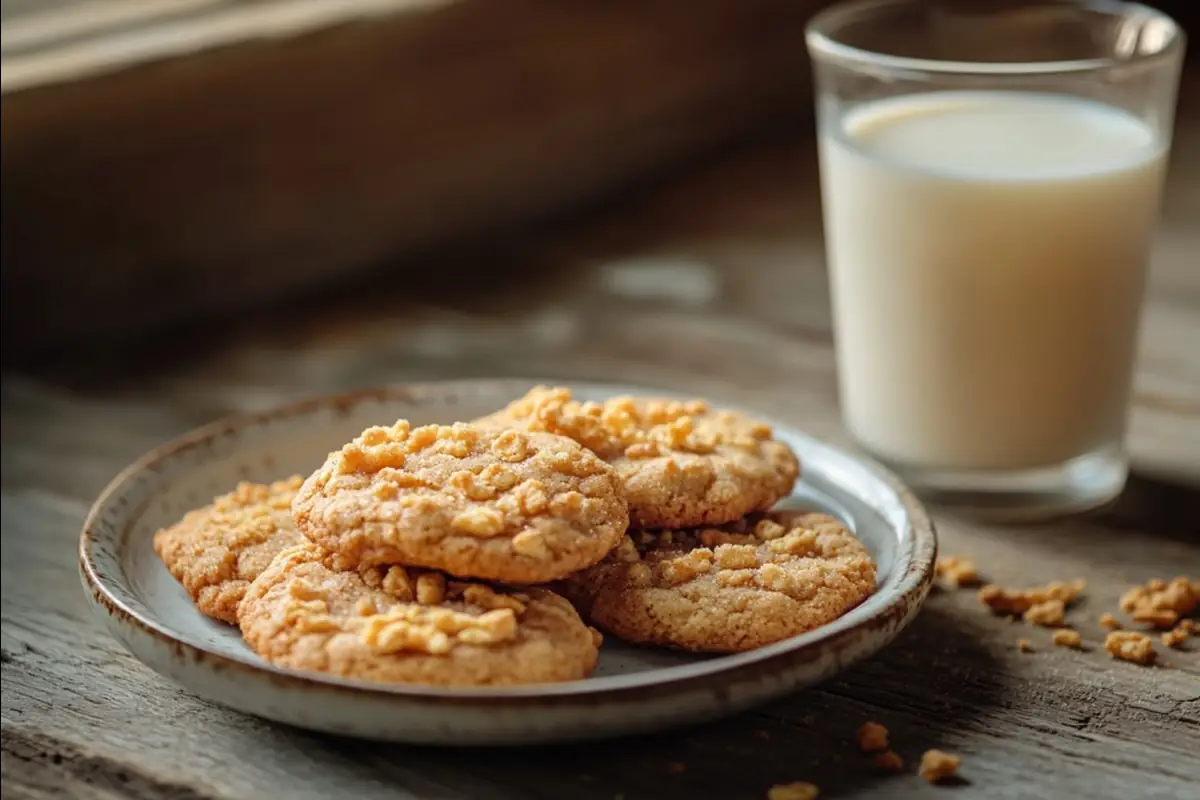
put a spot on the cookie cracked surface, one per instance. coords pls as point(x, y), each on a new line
point(729, 588)
point(682, 464)
point(217, 550)
point(512, 506)
point(401, 625)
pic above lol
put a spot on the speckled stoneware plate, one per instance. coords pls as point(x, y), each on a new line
point(633, 689)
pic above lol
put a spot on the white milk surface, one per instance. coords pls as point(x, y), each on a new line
point(987, 256)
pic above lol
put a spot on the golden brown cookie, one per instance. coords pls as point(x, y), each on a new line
point(726, 589)
point(398, 625)
point(682, 463)
point(497, 505)
point(217, 550)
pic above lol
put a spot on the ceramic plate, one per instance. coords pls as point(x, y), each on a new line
point(633, 689)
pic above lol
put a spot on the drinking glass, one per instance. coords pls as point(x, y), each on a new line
point(991, 176)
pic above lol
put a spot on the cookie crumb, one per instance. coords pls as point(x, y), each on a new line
point(937, 766)
point(1024, 645)
point(1161, 604)
point(676, 767)
point(957, 571)
point(889, 761)
point(872, 737)
point(1110, 622)
point(801, 790)
point(1160, 618)
point(764, 735)
point(1049, 614)
point(1130, 646)
point(1175, 637)
point(1002, 600)
point(1189, 625)
point(1067, 637)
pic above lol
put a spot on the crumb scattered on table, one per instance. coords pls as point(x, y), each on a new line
point(1161, 618)
point(889, 761)
point(1189, 625)
point(676, 767)
point(1161, 604)
point(1107, 620)
point(1024, 645)
point(937, 766)
point(1049, 614)
point(801, 790)
point(1068, 637)
point(956, 570)
point(872, 737)
point(1174, 637)
point(1017, 601)
point(1130, 646)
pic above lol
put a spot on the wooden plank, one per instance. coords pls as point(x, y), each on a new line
point(232, 168)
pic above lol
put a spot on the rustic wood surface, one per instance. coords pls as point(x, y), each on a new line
point(712, 283)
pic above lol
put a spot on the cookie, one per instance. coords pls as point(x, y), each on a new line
point(726, 589)
point(497, 505)
point(216, 551)
point(682, 464)
point(400, 625)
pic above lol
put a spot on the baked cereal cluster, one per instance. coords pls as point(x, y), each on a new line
point(464, 554)
point(1166, 607)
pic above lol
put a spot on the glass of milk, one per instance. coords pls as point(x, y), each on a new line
point(991, 177)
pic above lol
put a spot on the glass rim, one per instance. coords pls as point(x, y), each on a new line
point(822, 44)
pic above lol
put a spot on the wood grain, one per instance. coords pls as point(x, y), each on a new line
point(712, 283)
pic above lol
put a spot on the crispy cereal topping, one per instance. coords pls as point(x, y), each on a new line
point(1162, 604)
point(1067, 637)
point(872, 737)
point(626, 426)
point(215, 551)
point(727, 589)
point(1177, 636)
point(937, 766)
point(956, 571)
point(746, 553)
point(1018, 601)
point(505, 505)
point(1131, 646)
point(1049, 614)
point(416, 624)
point(682, 463)
point(407, 625)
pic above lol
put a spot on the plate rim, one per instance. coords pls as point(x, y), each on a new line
point(910, 590)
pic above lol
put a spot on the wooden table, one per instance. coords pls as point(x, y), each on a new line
point(712, 283)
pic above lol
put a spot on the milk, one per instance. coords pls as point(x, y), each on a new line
point(987, 256)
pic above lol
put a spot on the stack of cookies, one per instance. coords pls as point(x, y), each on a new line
point(447, 554)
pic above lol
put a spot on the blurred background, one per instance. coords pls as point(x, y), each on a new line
point(175, 171)
point(169, 158)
